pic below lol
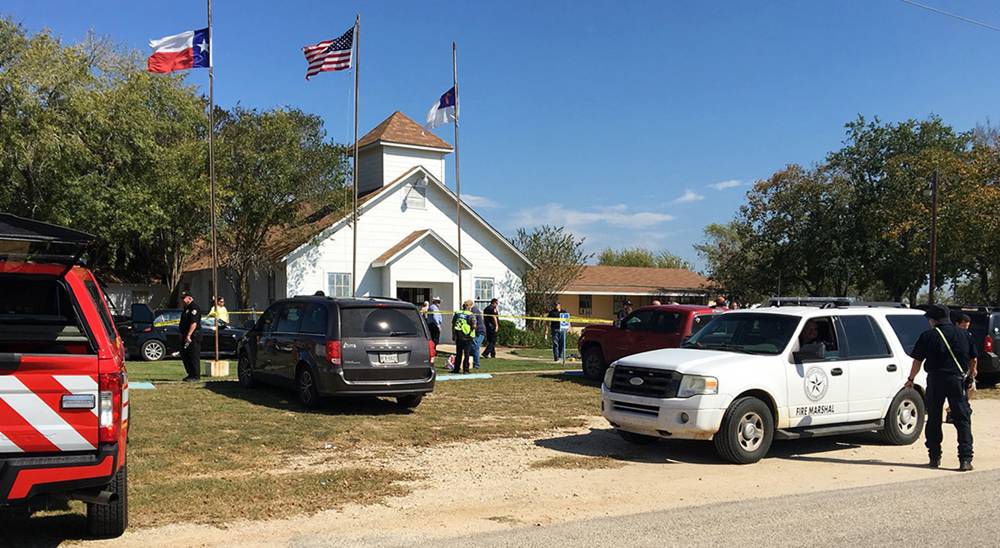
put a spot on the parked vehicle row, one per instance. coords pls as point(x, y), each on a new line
point(154, 335)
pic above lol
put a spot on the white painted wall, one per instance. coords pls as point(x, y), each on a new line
point(398, 160)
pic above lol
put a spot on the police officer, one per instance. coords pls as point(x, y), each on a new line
point(189, 327)
point(944, 351)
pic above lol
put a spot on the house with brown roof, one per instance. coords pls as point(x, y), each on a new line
point(407, 236)
point(600, 291)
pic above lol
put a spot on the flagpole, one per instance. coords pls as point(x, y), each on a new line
point(458, 180)
point(354, 209)
point(211, 175)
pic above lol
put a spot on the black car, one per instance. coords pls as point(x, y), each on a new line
point(153, 336)
point(985, 329)
point(325, 346)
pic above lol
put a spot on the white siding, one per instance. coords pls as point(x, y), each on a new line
point(398, 160)
point(386, 223)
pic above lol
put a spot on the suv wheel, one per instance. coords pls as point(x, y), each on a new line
point(593, 363)
point(111, 520)
point(905, 419)
point(244, 370)
point(305, 386)
point(410, 402)
point(746, 432)
point(153, 350)
point(635, 439)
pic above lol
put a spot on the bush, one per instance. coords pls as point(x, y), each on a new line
point(510, 335)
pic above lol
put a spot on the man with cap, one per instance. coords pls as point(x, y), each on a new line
point(434, 320)
point(944, 352)
point(190, 338)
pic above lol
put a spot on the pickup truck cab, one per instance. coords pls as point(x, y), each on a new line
point(63, 388)
point(646, 328)
point(752, 376)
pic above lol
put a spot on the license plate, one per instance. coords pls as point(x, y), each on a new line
point(388, 357)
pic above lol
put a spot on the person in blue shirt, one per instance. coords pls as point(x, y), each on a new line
point(477, 341)
point(434, 320)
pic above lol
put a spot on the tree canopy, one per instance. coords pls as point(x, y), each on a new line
point(640, 256)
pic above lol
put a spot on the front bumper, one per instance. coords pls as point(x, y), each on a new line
point(664, 417)
point(24, 477)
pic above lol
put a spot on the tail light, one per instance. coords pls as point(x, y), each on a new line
point(988, 344)
point(432, 349)
point(333, 352)
point(109, 407)
point(148, 330)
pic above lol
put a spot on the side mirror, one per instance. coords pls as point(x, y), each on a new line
point(813, 352)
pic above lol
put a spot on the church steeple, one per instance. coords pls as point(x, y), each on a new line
point(394, 147)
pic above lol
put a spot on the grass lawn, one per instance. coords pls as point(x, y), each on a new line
point(544, 353)
point(216, 452)
point(166, 370)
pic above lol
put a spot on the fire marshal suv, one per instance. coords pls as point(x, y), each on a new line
point(324, 346)
point(752, 376)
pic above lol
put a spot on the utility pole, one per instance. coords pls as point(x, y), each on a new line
point(934, 216)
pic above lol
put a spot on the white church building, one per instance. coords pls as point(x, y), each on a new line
point(407, 237)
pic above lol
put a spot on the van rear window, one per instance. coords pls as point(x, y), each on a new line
point(37, 317)
point(908, 328)
point(380, 322)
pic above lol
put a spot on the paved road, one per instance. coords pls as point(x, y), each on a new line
point(955, 510)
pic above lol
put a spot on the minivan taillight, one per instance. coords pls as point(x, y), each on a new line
point(432, 349)
point(333, 352)
point(988, 344)
point(109, 407)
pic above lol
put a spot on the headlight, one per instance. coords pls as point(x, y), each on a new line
point(608, 375)
point(695, 385)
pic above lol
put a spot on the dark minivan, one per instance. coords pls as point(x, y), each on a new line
point(325, 346)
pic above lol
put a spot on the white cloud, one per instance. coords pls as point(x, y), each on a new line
point(481, 202)
point(619, 216)
point(688, 197)
point(723, 185)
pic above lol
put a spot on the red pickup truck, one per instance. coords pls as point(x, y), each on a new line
point(646, 328)
point(63, 387)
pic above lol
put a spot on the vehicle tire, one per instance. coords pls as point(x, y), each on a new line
point(905, 419)
point(593, 363)
point(305, 387)
point(110, 520)
point(410, 402)
point(244, 370)
point(635, 439)
point(746, 432)
point(153, 350)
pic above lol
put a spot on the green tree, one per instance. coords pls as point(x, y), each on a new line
point(640, 256)
point(558, 259)
point(271, 164)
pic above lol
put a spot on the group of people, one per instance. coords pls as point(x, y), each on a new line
point(470, 327)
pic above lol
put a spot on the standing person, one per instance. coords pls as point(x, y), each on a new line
point(492, 318)
point(558, 337)
point(720, 302)
point(463, 330)
point(189, 325)
point(964, 321)
point(424, 306)
point(477, 341)
point(219, 310)
point(623, 313)
point(434, 320)
point(944, 352)
point(656, 302)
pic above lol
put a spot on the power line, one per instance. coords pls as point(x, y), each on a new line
point(949, 14)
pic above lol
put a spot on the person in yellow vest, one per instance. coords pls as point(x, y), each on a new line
point(219, 310)
point(463, 328)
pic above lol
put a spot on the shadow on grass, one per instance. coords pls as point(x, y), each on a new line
point(284, 399)
point(45, 531)
point(605, 442)
point(575, 377)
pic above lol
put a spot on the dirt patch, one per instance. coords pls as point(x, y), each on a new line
point(578, 463)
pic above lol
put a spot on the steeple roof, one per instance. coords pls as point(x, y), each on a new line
point(401, 129)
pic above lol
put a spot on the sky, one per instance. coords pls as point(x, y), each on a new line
point(630, 123)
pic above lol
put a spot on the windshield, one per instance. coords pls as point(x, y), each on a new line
point(748, 333)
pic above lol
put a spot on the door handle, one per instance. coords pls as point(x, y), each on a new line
point(836, 371)
point(891, 367)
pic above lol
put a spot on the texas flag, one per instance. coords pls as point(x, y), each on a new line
point(191, 49)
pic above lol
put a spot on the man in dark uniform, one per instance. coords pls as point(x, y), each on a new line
point(944, 351)
point(492, 328)
point(189, 326)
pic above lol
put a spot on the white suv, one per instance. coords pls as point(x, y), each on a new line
point(752, 376)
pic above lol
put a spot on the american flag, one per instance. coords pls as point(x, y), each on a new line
point(330, 55)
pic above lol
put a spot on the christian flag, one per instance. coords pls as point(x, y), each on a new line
point(443, 111)
point(187, 50)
